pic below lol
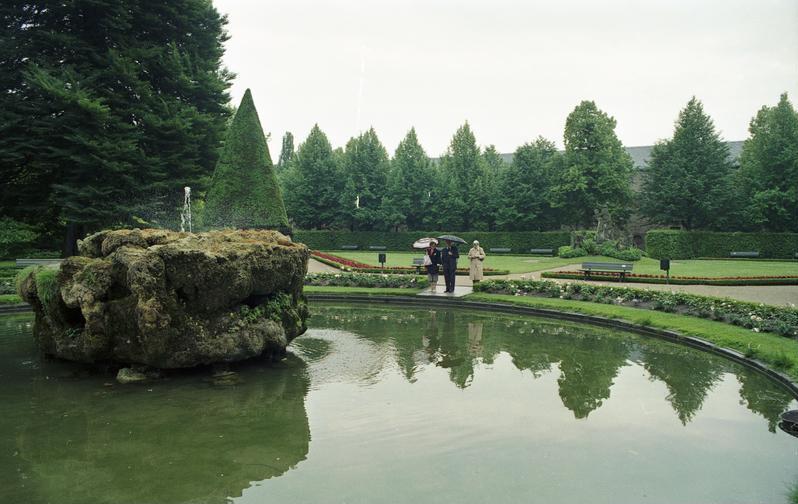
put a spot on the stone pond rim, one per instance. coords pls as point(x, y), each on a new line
point(171, 300)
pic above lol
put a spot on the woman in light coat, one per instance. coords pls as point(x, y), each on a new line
point(476, 255)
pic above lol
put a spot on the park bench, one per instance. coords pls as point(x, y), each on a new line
point(542, 251)
point(21, 263)
point(378, 247)
point(750, 253)
point(620, 268)
point(350, 247)
point(418, 262)
point(499, 249)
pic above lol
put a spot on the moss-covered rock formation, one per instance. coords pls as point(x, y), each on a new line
point(171, 300)
point(244, 192)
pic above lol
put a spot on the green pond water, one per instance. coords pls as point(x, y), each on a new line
point(402, 405)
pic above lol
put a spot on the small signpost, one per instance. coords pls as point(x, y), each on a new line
point(665, 265)
point(381, 258)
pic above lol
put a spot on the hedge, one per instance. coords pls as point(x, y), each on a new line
point(676, 244)
point(674, 280)
point(519, 242)
point(366, 280)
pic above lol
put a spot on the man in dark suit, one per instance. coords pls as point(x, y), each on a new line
point(449, 257)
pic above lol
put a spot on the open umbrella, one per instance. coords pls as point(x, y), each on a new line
point(423, 243)
point(451, 238)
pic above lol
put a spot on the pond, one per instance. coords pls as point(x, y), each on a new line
point(380, 404)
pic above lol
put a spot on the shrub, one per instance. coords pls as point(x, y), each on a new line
point(676, 244)
point(519, 242)
point(15, 237)
point(568, 252)
point(366, 280)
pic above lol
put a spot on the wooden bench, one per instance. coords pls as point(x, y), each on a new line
point(378, 247)
point(499, 249)
point(350, 247)
point(620, 268)
point(418, 262)
point(750, 253)
point(542, 251)
point(21, 263)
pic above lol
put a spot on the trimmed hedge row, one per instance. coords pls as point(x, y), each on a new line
point(519, 242)
point(366, 280)
point(675, 244)
point(674, 280)
point(757, 317)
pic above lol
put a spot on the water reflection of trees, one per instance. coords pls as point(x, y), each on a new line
point(183, 440)
point(588, 358)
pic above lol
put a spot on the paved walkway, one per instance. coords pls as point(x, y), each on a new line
point(459, 291)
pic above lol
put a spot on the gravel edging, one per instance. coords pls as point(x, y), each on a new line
point(669, 335)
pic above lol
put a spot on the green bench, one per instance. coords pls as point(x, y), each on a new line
point(621, 268)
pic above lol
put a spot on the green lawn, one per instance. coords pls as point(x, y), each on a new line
point(527, 264)
point(10, 299)
point(777, 351)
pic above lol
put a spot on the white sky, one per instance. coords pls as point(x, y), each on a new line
point(513, 69)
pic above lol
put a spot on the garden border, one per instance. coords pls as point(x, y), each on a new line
point(673, 336)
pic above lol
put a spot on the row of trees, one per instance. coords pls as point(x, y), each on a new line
point(361, 188)
point(691, 180)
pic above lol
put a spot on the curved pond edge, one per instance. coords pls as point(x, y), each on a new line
point(670, 335)
point(426, 302)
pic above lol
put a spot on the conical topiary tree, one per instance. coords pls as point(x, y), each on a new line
point(244, 192)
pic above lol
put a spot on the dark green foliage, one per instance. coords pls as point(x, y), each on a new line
point(525, 186)
point(675, 244)
point(520, 242)
point(687, 179)
point(286, 152)
point(365, 172)
point(767, 182)
point(108, 109)
point(244, 192)
point(407, 200)
point(313, 184)
point(15, 237)
point(596, 171)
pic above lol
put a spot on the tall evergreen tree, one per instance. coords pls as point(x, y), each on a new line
point(408, 200)
point(768, 176)
point(459, 185)
point(525, 188)
point(108, 108)
point(596, 171)
point(313, 184)
point(365, 171)
point(244, 192)
point(493, 170)
point(687, 179)
point(286, 152)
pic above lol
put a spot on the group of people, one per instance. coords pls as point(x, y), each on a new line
point(447, 257)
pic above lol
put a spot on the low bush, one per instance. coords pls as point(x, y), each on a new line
point(15, 237)
point(757, 317)
point(675, 280)
point(366, 280)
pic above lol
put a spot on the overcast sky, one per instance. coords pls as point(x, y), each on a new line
point(513, 69)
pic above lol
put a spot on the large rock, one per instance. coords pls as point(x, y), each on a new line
point(171, 300)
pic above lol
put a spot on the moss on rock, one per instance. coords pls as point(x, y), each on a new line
point(169, 299)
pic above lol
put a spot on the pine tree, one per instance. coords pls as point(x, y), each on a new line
point(768, 176)
point(596, 171)
point(407, 200)
point(244, 192)
point(122, 104)
point(313, 184)
point(687, 179)
point(365, 171)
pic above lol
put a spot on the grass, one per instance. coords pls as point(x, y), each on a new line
point(10, 299)
point(528, 264)
point(777, 351)
point(373, 291)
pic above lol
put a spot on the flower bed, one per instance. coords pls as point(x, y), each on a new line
point(348, 265)
point(366, 280)
point(675, 280)
point(757, 317)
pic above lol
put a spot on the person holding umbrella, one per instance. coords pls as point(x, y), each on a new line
point(449, 257)
point(432, 261)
